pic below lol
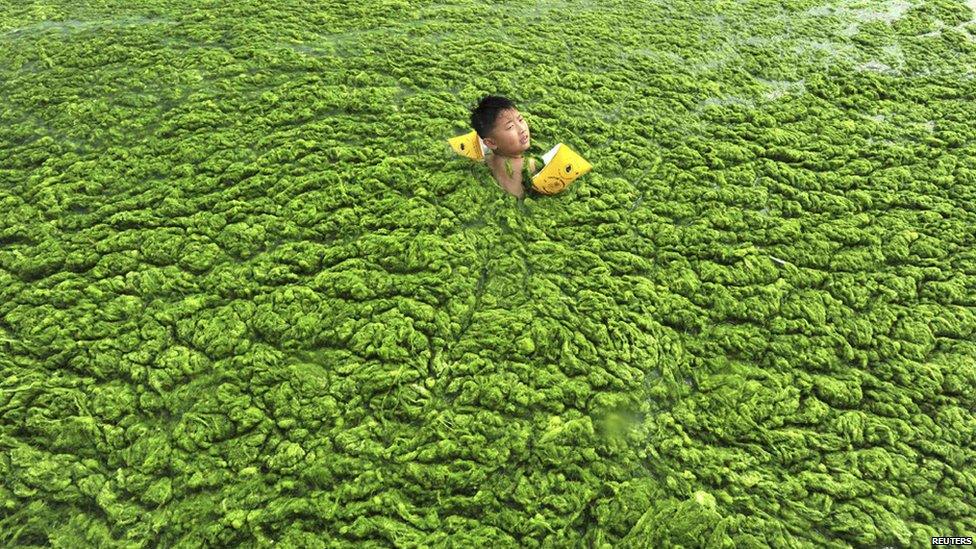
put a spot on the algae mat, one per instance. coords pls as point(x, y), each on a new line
point(248, 297)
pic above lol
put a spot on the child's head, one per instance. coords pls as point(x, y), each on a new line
point(500, 125)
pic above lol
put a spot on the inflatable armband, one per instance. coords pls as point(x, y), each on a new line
point(469, 145)
point(563, 166)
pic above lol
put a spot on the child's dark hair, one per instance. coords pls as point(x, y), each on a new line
point(483, 116)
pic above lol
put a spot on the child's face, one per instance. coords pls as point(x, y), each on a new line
point(511, 134)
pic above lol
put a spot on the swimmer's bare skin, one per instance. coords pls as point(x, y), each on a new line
point(511, 185)
point(507, 141)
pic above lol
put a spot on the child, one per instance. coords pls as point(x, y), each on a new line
point(503, 130)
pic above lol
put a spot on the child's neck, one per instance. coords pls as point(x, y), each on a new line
point(496, 153)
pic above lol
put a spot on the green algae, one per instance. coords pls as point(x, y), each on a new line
point(247, 299)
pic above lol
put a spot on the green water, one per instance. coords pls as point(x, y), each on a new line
point(249, 297)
